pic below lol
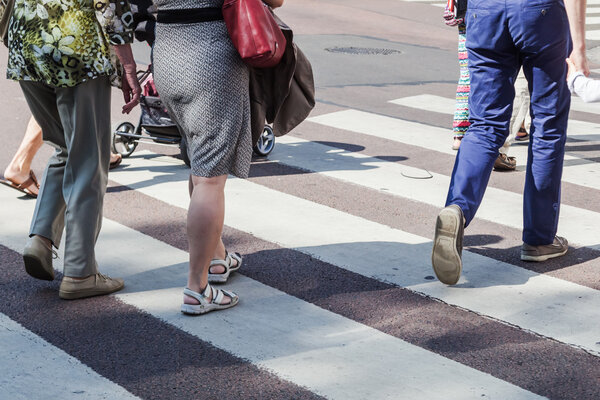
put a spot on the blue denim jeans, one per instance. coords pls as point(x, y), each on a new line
point(503, 36)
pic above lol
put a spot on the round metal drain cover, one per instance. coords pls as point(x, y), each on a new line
point(368, 51)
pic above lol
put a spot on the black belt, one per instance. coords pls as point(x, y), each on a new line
point(189, 15)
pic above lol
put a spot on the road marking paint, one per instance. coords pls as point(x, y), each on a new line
point(305, 344)
point(577, 170)
point(592, 35)
point(579, 105)
point(577, 129)
point(493, 288)
point(592, 20)
point(32, 368)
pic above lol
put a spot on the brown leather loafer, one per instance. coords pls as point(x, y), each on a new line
point(558, 248)
point(505, 163)
point(37, 256)
point(94, 285)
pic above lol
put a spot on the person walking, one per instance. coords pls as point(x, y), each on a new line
point(503, 36)
point(461, 123)
point(61, 59)
point(205, 86)
point(18, 173)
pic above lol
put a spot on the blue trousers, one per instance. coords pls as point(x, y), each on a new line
point(504, 35)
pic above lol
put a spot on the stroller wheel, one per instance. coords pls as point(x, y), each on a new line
point(124, 145)
point(266, 142)
point(183, 151)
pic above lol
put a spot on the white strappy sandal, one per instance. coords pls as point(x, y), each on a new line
point(205, 305)
point(227, 263)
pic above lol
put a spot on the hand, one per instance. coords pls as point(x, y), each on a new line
point(580, 62)
point(131, 88)
point(571, 69)
point(129, 82)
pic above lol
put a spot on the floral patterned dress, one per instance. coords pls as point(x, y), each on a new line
point(63, 43)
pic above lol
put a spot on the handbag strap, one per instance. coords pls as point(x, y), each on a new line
point(189, 15)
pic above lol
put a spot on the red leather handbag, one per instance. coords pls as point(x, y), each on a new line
point(254, 32)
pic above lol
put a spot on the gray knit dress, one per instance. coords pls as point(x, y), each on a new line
point(203, 82)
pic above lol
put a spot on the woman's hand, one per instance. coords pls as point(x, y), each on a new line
point(131, 88)
point(129, 85)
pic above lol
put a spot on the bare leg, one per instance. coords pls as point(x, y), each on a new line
point(220, 252)
point(18, 169)
point(204, 227)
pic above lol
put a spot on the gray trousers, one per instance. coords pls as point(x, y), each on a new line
point(76, 122)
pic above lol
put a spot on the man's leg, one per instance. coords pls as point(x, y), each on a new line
point(85, 115)
point(493, 66)
point(544, 50)
point(48, 217)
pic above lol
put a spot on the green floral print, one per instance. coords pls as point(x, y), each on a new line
point(66, 42)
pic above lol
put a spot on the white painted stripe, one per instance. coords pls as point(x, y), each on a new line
point(592, 35)
point(493, 288)
point(592, 11)
point(322, 351)
point(592, 20)
point(578, 225)
point(577, 171)
point(579, 105)
point(577, 129)
point(427, 102)
point(32, 368)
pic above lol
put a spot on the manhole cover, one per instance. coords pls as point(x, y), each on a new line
point(368, 51)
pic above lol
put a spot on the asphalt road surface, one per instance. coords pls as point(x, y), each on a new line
point(338, 298)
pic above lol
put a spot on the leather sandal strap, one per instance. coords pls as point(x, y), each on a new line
point(26, 183)
point(218, 297)
point(195, 295)
point(235, 256)
point(33, 177)
point(216, 261)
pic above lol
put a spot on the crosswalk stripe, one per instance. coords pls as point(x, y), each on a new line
point(502, 291)
point(443, 105)
point(592, 35)
point(577, 170)
point(579, 105)
point(579, 225)
point(32, 368)
point(592, 20)
point(307, 345)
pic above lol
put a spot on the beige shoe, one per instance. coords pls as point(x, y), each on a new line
point(446, 256)
point(94, 285)
point(37, 257)
point(558, 248)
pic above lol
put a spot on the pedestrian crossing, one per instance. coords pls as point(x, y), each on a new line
point(45, 371)
point(350, 243)
point(578, 171)
point(312, 340)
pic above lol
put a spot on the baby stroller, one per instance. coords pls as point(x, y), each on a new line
point(156, 126)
